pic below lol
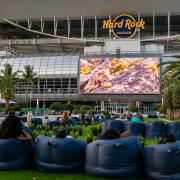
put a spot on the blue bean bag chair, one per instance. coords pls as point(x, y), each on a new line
point(162, 161)
point(72, 122)
point(155, 129)
point(117, 158)
point(15, 155)
point(37, 121)
point(174, 128)
point(137, 128)
point(23, 118)
point(54, 123)
point(113, 124)
point(76, 118)
point(59, 154)
point(26, 129)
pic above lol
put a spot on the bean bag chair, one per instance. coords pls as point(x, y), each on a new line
point(137, 128)
point(113, 124)
point(174, 128)
point(15, 155)
point(26, 129)
point(117, 158)
point(54, 123)
point(96, 119)
point(72, 122)
point(162, 161)
point(37, 121)
point(76, 118)
point(155, 129)
point(59, 154)
point(23, 118)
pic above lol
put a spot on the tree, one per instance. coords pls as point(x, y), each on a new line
point(171, 73)
point(56, 106)
point(168, 102)
point(176, 101)
point(133, 108)
point(29, 76)
point(69, 107)
point(171, 82)
point(8, 83)
point(86, 108)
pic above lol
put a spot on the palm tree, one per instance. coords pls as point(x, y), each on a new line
point(170, 82)
point(29, 76)
point(8, 83)
point(171, 73)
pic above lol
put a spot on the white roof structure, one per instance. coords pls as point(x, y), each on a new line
point(23, 9)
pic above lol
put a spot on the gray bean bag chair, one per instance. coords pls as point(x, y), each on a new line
point(15, 155)
point(155, 129)
point(113, 124)
point(59, 154)
point(137, 128)
point(174, 128)
point(117, 158)
point(162, 161)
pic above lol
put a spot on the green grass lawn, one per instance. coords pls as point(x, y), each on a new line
point(165, 120)
point(35, 175)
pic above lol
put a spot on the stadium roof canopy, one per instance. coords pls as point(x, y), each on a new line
point(23, 9)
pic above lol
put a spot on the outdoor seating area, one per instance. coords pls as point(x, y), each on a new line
point(118, 158)
point(123, 157)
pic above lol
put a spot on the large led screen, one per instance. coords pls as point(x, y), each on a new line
point(131, 75)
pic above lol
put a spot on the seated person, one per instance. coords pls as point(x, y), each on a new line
point(168, 138)
point(109, 134)
point(140, 116)
point(135, 118)
point(62, 134)
point(11, 113)
point(113, 134)
point(64, 119)
point(125, 134)
point(60, 115)
point(46, 118)
point(82, 117)
point(11, 127)
point(30, 117)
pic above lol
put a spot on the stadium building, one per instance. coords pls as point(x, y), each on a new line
point(56, 37)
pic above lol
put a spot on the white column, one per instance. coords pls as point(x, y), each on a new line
point(153, 25)
point(37, 104)
point(109, 28)
point(139, 30)
point(137, 104)
point(55, 26)
point(96, 26)
point(102, 105)
point(44, 104)
point(169, 30)
point(69, 26)
point(82, 27)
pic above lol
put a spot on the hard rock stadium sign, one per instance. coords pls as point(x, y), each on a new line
point(124, 26)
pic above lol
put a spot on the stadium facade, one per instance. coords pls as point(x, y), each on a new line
point(52, 36)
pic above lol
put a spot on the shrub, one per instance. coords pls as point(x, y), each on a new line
point(89, 139)
point(80, 130)
point(56, 106)
point(86, 108)
point(69, 107)
point(133, 108)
